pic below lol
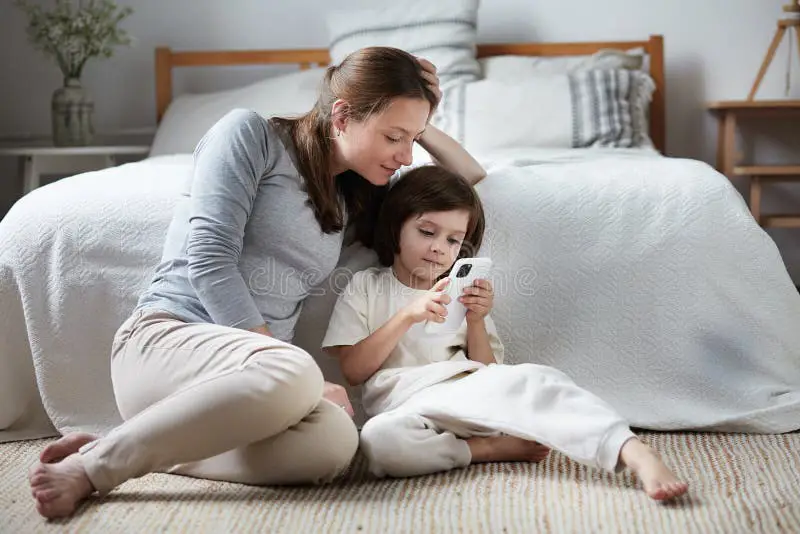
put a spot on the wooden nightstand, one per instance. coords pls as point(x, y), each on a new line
point(37, 160)
point(729, 159)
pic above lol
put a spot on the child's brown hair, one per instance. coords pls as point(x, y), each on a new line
point(427, 189)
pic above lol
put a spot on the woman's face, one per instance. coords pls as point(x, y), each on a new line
point(378, 146)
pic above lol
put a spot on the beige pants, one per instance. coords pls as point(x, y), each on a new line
point(220, 403)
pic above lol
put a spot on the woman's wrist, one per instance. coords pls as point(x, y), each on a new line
point(427, 134)
point(448, 153)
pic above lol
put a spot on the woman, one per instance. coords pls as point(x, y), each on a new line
point(204, 372)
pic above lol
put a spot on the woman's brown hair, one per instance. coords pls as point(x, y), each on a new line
point(367, 80)
point(424, 190)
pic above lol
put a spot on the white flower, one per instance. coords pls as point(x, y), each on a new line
point(74, 35)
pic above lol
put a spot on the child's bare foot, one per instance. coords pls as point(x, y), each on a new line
point(506, 449)
point(64, 446)
point(58, 488)
point(659, 482)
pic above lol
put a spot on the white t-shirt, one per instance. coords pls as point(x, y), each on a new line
point(419, 360)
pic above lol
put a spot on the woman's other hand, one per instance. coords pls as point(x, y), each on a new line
point(338, 395)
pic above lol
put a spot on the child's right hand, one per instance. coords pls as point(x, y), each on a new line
point(431, 305)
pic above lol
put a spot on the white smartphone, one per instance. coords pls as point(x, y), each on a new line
point(463, 274)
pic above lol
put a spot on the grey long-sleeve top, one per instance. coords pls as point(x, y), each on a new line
point(243, 247)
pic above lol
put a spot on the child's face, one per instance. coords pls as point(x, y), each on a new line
point(429, 245)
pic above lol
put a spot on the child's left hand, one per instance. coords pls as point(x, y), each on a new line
point(478, 299)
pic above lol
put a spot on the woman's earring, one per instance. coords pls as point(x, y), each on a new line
point(338, 132)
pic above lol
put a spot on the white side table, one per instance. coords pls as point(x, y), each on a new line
point(39, 160)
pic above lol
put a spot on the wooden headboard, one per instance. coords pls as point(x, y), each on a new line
point(166, 60)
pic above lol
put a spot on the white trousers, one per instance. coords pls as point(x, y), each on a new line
point(427, 433)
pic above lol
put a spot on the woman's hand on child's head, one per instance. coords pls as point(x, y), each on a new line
point(478, 299)
point(338, 395)
point(431, 305)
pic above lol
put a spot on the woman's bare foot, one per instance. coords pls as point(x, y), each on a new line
point(659, 482)
point(64, 446)
point(58, 488)
point(506, 449)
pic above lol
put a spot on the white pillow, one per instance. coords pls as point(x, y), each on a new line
point(442, 31)
point(512, 68)
point(189, 116)
point(601, 107)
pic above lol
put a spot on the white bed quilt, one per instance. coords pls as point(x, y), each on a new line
point(644, 278)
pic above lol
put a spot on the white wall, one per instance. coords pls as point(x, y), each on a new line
point(713, 50)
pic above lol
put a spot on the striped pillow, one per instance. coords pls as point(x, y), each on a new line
point(444, 32)
point(610, 108)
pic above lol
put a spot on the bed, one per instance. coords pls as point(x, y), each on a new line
point(643, 277)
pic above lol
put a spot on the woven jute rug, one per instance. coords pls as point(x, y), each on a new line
point(738, 484)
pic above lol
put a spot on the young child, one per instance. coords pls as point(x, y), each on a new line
point(443, 401)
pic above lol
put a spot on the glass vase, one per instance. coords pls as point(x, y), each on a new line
point(72, 110)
